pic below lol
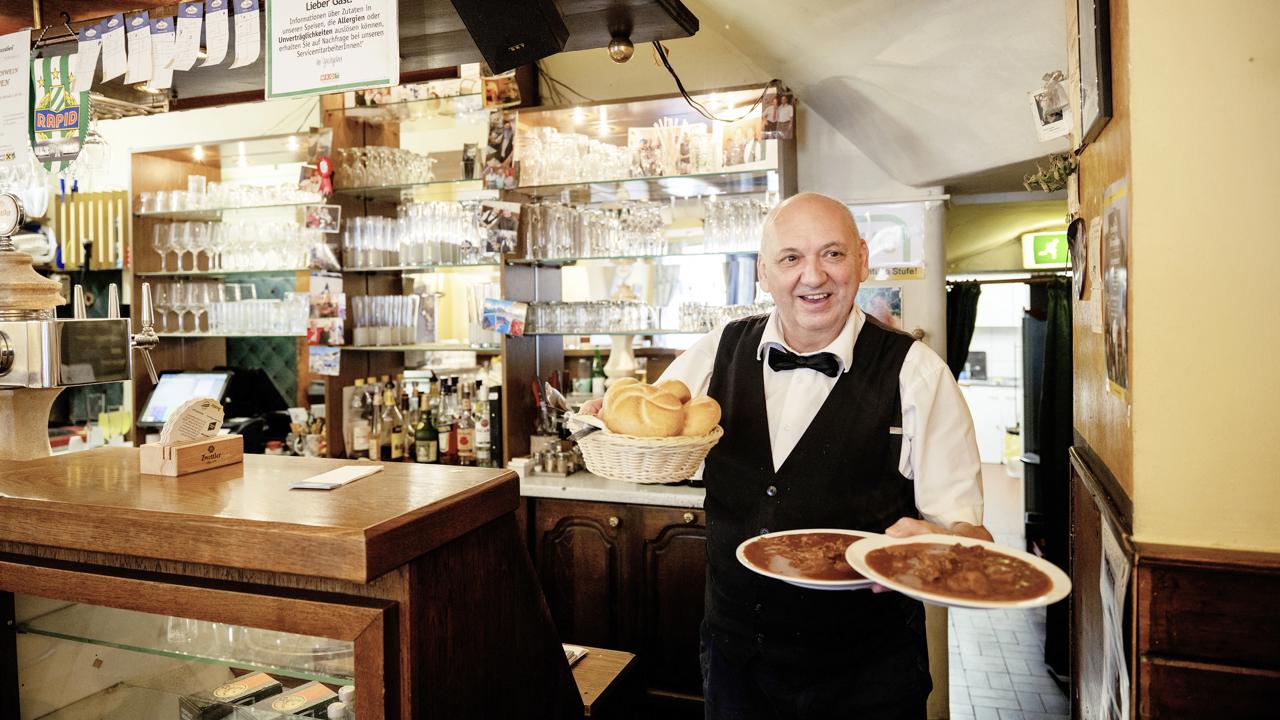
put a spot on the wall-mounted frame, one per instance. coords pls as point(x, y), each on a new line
point(1094, 23)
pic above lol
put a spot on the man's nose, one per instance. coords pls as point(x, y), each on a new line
point(811, 272)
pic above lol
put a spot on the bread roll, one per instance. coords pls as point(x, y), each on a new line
point(701, 415)
point(645, 413)
point(677, 388)
point(619, 390)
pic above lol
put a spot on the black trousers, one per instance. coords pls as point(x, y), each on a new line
point(763, 689)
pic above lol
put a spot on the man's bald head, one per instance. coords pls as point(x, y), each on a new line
point(797, 211)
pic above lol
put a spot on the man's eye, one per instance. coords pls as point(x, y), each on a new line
point(835, 253)
point(787, 259)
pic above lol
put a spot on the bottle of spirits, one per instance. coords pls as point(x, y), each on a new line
point(466, 429)
point(597, 376)
point(392, 429)
point(425, 444)
point(378, 435)
point(447, 453)
point(495, 424)
point(359, 423)
point(411, 416)
point(484, 431)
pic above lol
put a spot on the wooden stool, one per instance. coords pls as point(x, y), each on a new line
point(598, 675)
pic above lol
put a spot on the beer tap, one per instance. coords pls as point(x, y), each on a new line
point(146, 340)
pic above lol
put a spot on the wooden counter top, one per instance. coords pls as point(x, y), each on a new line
point(244, 516)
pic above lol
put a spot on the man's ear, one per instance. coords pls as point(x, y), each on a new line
point(761, 276)
point(865, 271)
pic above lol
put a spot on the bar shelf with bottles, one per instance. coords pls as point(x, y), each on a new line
point(447, 420)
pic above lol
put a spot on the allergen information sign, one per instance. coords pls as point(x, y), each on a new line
point(323, 46)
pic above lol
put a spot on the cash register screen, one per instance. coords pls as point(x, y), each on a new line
point(177, 388)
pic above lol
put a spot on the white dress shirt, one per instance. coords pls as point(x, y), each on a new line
point(939, 447)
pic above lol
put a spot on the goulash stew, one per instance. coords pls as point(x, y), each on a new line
point(807, 556)
point(968, 572)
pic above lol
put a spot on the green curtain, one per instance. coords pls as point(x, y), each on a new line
point(1054, 431)
point(962, 313)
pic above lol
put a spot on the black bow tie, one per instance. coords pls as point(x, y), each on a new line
point(826, 363)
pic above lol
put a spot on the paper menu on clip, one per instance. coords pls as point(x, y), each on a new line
point(113, 55)
point(162, 38)
point(87, 57)
point(195, 419)
point(248, 38)
point(215, 32)
point(139, 36)
point(336, 477)
point(187, 44)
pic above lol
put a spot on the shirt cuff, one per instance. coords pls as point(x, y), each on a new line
point(971, 514)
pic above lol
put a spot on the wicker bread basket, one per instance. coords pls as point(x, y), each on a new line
point(646, 460)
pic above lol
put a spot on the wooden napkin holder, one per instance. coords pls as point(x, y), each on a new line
point(191, 457)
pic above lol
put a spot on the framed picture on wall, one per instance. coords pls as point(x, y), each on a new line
point(1094, 23)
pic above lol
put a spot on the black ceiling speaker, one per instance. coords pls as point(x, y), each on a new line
point(511, 33)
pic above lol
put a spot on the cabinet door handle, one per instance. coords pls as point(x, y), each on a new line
point(614, 521)
point(689, 518)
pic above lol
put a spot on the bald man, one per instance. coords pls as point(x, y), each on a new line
point(831, 420)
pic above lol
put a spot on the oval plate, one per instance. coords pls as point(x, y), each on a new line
point(1059, 583)
point(806, 584)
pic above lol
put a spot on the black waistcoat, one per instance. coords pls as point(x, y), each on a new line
point(843, 473)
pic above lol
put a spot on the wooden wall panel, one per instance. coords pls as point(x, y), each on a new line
point(1100, 417)
point(1174, 689)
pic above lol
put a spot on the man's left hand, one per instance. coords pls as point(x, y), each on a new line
point(907, 527)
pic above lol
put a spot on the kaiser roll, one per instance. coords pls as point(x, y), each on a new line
point(645, 413)
point(701, 415)
point(677, 388)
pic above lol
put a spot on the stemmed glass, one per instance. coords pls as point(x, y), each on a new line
point(162, 304)
point(161, 240)
point(198, 303)
point(181, 239)
point(198, 241)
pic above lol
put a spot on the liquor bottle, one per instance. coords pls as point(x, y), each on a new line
point(466, 429)
point(425, 444)
point(495, 424)
point(359, 423)
point(484, 433)
point(411, 415)
point(597, 376)
point(447, 453)
point(378, 435)
point(392, 429)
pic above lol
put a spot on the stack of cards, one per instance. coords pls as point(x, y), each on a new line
point(195, 419)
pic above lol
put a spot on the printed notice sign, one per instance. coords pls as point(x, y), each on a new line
point(15, 97)
point(323, 46)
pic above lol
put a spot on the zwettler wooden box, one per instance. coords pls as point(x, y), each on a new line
point(186, 458)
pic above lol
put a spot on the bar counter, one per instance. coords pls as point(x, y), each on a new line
point(421, 567)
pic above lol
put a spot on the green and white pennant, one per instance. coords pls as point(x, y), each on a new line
point(59, 115)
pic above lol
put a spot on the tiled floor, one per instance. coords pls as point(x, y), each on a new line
point(997, 656)
point(997, 667)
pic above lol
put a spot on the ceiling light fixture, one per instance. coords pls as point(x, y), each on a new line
point(579, 115)
point(197, 152)
point(292, 143)
point(620, 47)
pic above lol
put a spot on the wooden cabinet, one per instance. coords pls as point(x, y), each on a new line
point(627, 577)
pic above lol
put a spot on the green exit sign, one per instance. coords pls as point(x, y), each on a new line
point(1045, 251)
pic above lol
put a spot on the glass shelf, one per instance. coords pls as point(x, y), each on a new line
point(422, 268)
point(123, 702)
point(622, 332)
point(220, 273)
point(723, 182)
point(465, 190)
point(216, 213)
point(571, 260)
point(413, 109)
point(230, 335)
point(431, 347)
point(296, 656)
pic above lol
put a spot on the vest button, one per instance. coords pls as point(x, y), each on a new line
point(759, 638)
point(759, 607)
point(771, 490)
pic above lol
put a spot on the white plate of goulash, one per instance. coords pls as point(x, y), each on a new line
point(813, 559)
point(961, 572)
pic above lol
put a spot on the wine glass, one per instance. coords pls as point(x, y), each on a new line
point(162, 242)
point(162, 305)
point(199, 304)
